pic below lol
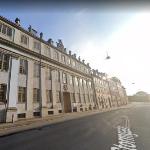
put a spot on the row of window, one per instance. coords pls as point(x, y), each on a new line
point(24, 40)
point(22, 95)
point(6, 30)
point(4, 64)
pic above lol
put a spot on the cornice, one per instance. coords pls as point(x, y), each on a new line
point(38, 38)
point(30, 52)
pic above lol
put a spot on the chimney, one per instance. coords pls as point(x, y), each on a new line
point(17, 21)
point(88, 64)
point(83, 61)
point(41, 35)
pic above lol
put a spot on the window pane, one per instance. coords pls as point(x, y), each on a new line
point(9, 31)
point(3, 92)
point(0, 27)
point(4, 29)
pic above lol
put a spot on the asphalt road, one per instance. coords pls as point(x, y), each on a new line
point(96, 132)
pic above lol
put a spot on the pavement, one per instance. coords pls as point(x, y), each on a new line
point(33, 123)
point(127, 128)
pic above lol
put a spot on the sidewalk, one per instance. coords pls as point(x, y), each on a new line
point(35, 123)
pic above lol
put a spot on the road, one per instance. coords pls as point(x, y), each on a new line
point(96, 132)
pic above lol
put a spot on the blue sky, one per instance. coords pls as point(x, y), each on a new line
point(90, 33)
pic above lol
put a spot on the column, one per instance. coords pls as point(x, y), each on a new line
point(13, 90)
point(54, 92)
point(29, 104)
point(44, 110)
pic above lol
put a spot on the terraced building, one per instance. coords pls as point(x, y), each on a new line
point(39, 78)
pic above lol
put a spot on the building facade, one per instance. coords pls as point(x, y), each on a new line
point(38, 78)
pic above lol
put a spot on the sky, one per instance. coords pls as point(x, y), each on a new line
point(123, 34)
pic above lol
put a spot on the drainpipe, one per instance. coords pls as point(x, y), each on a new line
point(109, 90)
point(40, 84)
point(94, 94)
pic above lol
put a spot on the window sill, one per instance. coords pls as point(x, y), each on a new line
point(21, 102)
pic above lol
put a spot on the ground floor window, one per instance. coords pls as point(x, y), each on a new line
point(36, 95)
point(22, 94)
point(58, 97)
point(73, 97)
point(3, 88)
point(49, 96)
point(79, 98)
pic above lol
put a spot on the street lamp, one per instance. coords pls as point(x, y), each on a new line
point(107, 57)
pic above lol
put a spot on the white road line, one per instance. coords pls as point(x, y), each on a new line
point(126, 139)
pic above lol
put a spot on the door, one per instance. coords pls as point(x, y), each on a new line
point(67, 102)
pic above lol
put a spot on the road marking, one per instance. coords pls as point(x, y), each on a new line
point(126, 139)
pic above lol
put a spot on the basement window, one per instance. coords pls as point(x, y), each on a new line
point(36, 114)
point(22, 115)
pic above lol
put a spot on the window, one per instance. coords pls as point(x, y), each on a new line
point(58, 99)
point(70, 80)
point(69, 61)
point(84, 82)
point(81, 82)
point(22, 94)
point(73, 63)
point(36, 70)
point(4, 62)
point(6, 30)
point(55, 55)
point(79, 98)
point(84, 97)
point(88, 97)
point(49, 96)
point(3, 88)
point(64, 78)
point(73, 97)
point(76, 81)
point(47, 51)
point(24, 39)
point(36, 95)
point(23, 66)
point(89, 84)
point(48, 74)
point(63, 58)
point(37, 46)
point(0, 27)
point(57, 77)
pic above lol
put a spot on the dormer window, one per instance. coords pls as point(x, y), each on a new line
point(73, 63)
point(6, 30)
point(63, 58)
point(24, 39)
point(55, 55)
point(37, 46)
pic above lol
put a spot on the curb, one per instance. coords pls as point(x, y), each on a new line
point(51, 121)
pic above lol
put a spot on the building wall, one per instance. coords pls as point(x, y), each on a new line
point(23, 82)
